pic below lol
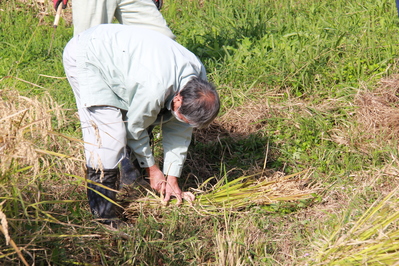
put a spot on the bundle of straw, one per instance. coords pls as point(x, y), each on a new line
point(372, 240)
point(239, 193)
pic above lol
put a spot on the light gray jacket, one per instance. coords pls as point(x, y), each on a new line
point(139, 70)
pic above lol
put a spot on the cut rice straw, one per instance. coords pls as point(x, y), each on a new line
point(240, 193)
point(372, 240)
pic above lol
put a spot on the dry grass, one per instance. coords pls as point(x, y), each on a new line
point(32, 153)
point(378, 110)
point(27, 136)
point(371, 240)
point(376, 116)
point(236, 123)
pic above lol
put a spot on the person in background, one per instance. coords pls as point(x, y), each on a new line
point(90, 13)
point(126, 79)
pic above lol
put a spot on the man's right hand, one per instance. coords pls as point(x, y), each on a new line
point(157, 178)
point(56, 3)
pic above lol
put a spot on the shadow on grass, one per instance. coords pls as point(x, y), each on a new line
point(218, 152)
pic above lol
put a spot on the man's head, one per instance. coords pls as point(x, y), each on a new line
point(198, 103)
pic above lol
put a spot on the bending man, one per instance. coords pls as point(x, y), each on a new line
point(126, 79)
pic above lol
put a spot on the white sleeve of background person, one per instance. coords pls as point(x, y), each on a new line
point(90, 13)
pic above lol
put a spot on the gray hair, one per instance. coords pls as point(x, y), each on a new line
point(200, 103)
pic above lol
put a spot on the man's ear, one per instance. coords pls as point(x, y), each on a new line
point(177, 101)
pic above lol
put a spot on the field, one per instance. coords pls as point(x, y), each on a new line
point(300, 167)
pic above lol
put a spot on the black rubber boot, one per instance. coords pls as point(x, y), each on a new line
point(100, 207)
point(131, 170)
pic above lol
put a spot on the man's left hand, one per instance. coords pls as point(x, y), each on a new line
point(172, 189)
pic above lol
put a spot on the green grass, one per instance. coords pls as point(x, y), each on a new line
point(312, 48)
point(31, 50)
point(305, 61)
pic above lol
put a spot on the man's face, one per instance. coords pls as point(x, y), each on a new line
point(177, 102)
point(180, 117)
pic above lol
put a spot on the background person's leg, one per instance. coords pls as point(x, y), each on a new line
point(142, 13)
point(90, 13)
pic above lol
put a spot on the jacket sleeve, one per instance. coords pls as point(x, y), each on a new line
point(142, 113)
point(176, 137)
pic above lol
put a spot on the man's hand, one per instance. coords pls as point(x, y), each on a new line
point(56, 3)
point(173, 189)
point(157, 179)
point(168, 187)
